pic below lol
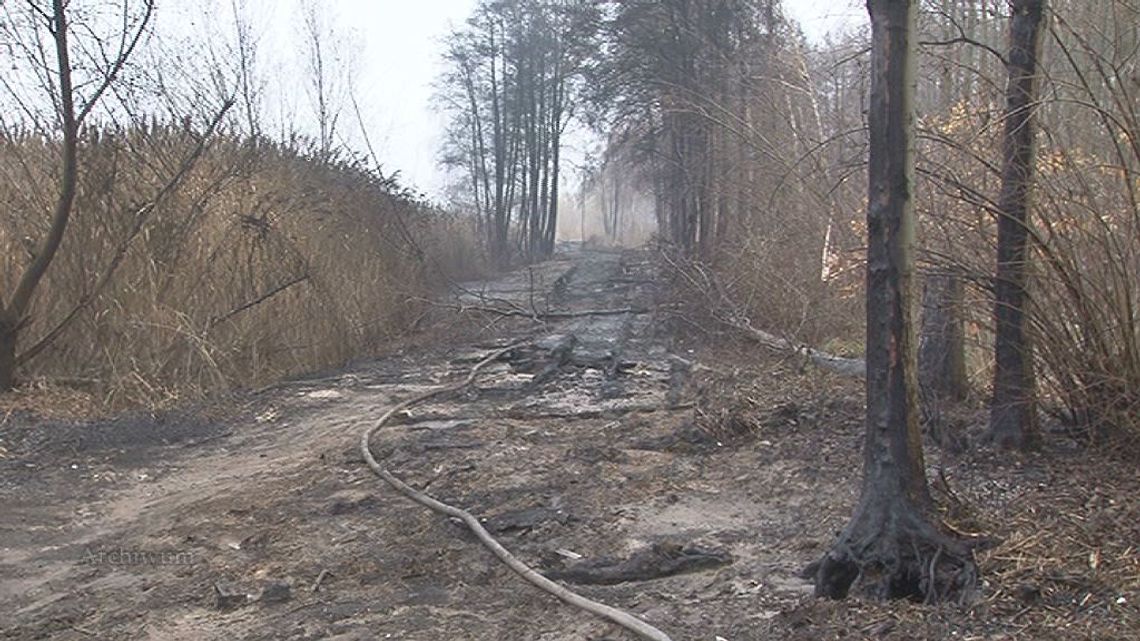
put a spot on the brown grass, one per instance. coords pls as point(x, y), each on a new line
point(262, 262)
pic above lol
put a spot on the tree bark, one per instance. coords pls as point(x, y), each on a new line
point(891, 544)
point(1013, 409)
point(8, 338)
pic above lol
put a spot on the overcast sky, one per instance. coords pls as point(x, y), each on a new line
point(399, 44)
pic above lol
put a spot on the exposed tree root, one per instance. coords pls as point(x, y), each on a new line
point(891, 551)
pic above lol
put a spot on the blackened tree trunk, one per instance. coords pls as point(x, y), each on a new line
point(8, 342)
point(1013, 408)
point(891, 542)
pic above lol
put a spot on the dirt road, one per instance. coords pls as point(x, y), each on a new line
point(198, 526)
point(688, 488)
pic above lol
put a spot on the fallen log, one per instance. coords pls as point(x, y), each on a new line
point(856, 367)
point(657, 561)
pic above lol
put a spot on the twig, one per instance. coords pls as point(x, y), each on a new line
point(320, 579)
point(257, 301)
point(968, 41)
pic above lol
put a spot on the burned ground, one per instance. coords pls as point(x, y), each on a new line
point(612, 439)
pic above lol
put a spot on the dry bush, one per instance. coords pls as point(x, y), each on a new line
point(1088, 234)
point(261, 262)
point(774, 272)
point(1086, 221)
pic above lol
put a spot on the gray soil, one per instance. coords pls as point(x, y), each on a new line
point(593, 448)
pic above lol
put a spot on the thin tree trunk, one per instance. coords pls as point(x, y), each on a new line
point(1013, 408)
point(941, 352)
point(556, 159)
point(8, 341)
point(552, 212)
point(614, 209)
point(499, 144)
point(13, 311)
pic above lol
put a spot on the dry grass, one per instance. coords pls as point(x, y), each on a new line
point(261, 263)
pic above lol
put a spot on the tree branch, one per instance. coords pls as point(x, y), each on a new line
point(120, 61)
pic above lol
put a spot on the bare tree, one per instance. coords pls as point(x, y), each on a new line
point(251, 87)
point(328, 71)
point(71, 112)
point(510, 87)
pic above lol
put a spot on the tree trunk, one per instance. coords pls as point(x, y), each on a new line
point(942, 344)
point(1013, 408)
point(8, 340)
point(12, 312)
point(891, 542)
point(942, 354)
point(552, 220)
point(612, 220)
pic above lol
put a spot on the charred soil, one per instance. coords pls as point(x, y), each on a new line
point(686, 480)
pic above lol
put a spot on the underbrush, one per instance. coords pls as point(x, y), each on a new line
point(197, 264)
point(1085, 267)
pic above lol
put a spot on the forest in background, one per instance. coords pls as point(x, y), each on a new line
point(750, 144)
point(212, 248)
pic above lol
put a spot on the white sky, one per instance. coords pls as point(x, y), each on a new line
point(398, 60)
point(818, 17)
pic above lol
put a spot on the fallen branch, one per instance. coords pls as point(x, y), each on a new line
point(623, 619)
point(320, 579)
point(840, 365)
point(695, 366)
point(703, 282)
point(255, 302)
